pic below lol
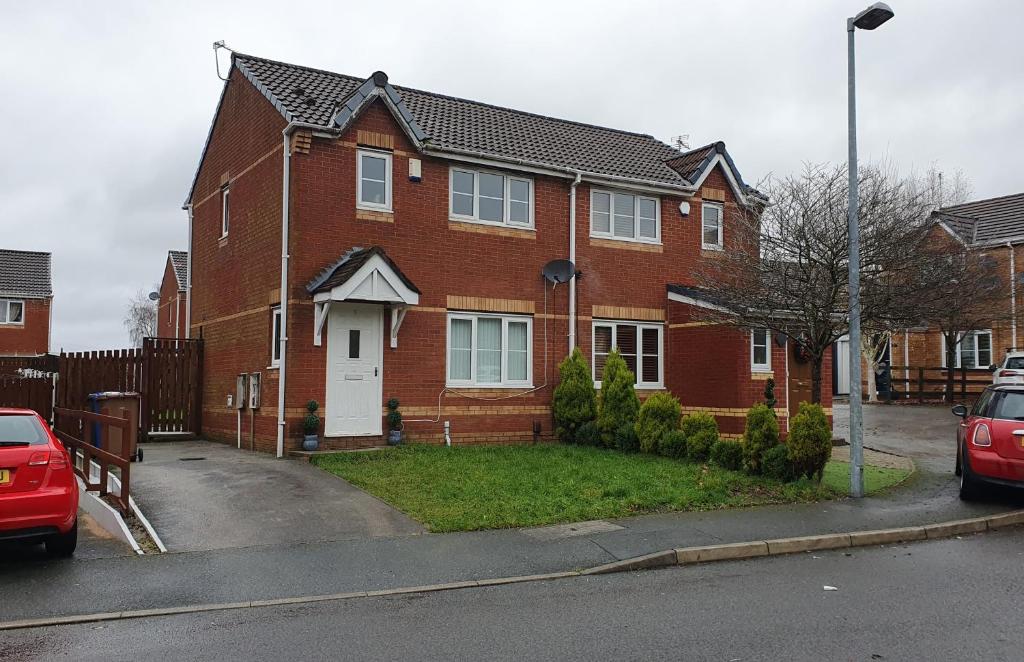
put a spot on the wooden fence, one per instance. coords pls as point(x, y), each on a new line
point(166, 372)
point(36, 393)
point(75, 429)
point(923, 383)
point(17, 365)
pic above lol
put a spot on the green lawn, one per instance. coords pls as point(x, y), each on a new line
point(493, 487)
point(837, 477)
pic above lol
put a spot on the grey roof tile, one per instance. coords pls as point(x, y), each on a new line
point(344, 268)
point(987, 221)
point(25, 274)
point(179, 260)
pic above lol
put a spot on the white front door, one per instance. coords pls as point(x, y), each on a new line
point(355, 358)
point(842, 366)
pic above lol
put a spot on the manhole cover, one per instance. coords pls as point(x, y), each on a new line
point(191, 459)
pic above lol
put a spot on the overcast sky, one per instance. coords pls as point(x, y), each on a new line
point(106, 105)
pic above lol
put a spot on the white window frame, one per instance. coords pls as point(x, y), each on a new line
point(506, 203)
point(225, 211)
point(388, 179)
point(754, 365)
point(640, 326)
point(721, 227)
point(5, 306)
point(636, 238)
point(275, 336)
point(505, 381)
point(973, 337)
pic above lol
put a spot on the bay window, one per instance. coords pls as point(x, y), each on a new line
point(489, 350)
point(489, 197)
point(624, 216)
point(640, 345)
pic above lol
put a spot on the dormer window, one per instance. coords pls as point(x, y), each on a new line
point(373, 180)
point(711, 227)
point(625, 216)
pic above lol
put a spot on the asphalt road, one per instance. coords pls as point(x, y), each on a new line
point(949, 599)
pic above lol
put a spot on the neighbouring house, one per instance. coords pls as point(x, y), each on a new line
point(994, 227)
point(171, 310)
point(26, 299)
point(354, 241)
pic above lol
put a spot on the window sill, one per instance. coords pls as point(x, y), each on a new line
point(757, 374)
point(496, 229)
point(712, 248)
point(627, 244)
point(223, 241)
point(380, 208)
point(273, 367)
point(374, 215)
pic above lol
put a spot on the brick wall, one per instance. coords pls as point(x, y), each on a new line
point(32, 337)
point(170, 318)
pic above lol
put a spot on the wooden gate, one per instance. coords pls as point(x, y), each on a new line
point(165, 372)
point(34, 393)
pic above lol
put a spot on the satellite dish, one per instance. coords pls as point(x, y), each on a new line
point(559, 271)
point(154, 296)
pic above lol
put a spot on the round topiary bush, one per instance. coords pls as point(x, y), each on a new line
point(810, 441)
point(673, 444)
point(588, 434)
point(626, 439)
point(659, 415)
point(728, 454)
point(575, 400)
point(698, 446)
point(618, 403)
point(760, 433)
point(775, 464)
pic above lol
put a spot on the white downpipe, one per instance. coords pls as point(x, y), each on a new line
point(177, 316)
point(238, 433)
point(572, 258)
point(286, 178)
point(1013, 296)
point(188, 277)
point(906, 363)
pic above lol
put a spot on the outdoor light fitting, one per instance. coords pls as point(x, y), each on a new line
point(873, 16)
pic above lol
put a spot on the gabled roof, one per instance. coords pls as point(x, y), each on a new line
point(25, 274)
point(344, 268)
point(989, 221)
point(179, 260)
point(441, 123)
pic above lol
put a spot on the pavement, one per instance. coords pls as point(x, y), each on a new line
point(94, 542)
point(288, 569)
point(204, 496)
point(903, 602)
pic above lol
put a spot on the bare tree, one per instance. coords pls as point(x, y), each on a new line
point(788, 267)
point(140, 319)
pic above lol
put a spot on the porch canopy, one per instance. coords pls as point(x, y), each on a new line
point(363, 275)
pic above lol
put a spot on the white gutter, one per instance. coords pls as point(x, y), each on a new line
point(281, 374)
point(188, 277)
point(1013, 296)
point(572, 259)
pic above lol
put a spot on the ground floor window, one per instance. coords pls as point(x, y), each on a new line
point(641, 345)
point(489, 350)
point(975, 350)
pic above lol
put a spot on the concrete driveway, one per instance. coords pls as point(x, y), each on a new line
point(926, 433)
point(202, 495)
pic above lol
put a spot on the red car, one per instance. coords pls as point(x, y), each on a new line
point(38, 490)
point(990, 440)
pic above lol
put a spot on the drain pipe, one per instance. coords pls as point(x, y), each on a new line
point(283, 351)
point(188, 277)
point(1013, 296)
point(572, 258)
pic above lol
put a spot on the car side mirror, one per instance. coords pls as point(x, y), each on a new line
point(960, 411)
point(993, 368)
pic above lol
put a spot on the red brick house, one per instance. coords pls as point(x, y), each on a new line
point(26, 297)
point(354, 241)
point(173, 303)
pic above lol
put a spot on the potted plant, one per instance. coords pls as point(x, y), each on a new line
point(395, 425)
point(311, 426)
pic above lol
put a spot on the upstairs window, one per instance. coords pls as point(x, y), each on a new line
point(711, 226)
point(640, 346)
point(760, 351)
point(624, 216)
point(373, 179)
point(488, 197)
point(225, 211)
point(12, 311)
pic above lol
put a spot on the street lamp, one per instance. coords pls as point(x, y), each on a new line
point(869, 19)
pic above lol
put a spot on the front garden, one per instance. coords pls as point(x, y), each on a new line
point(617, 458)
